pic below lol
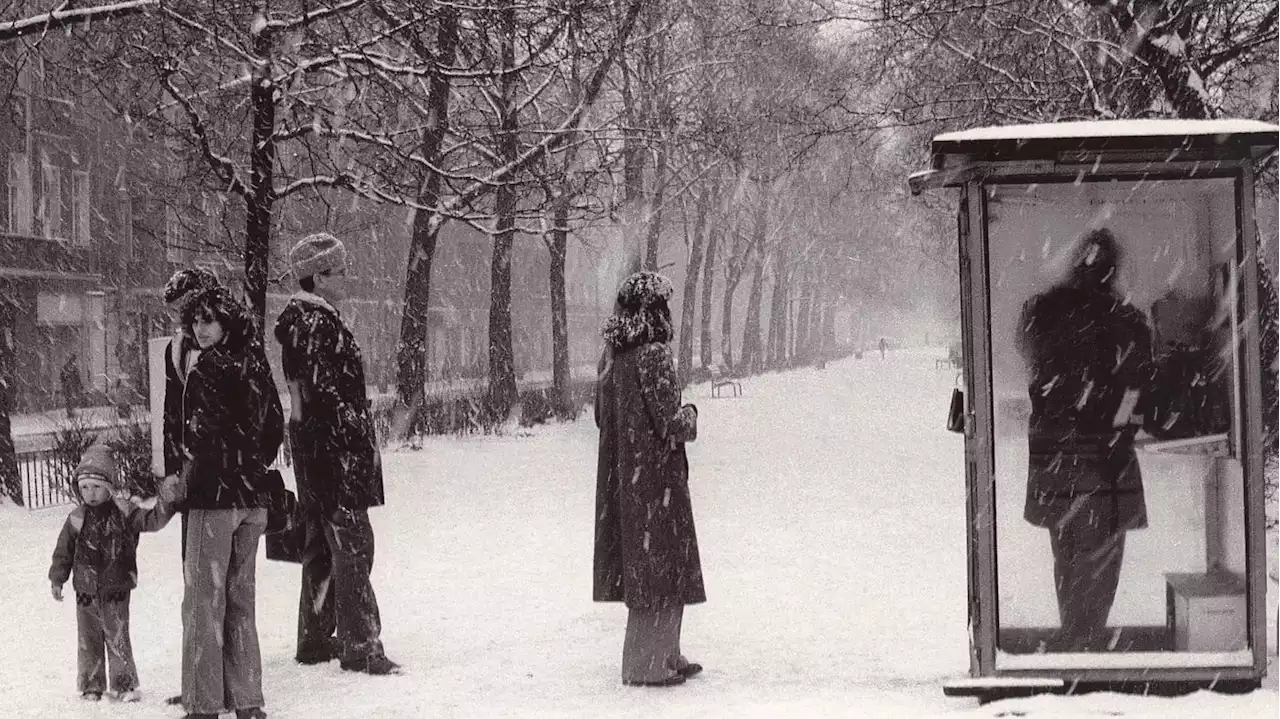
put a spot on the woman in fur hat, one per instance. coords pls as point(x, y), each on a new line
point(646, 550)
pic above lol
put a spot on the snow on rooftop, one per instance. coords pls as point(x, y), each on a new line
point(1109, 128)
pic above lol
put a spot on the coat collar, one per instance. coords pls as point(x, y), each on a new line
point(312, 298)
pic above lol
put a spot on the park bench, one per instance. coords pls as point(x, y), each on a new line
point(720, 379)
point(953, 360)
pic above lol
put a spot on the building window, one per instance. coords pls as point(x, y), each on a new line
point(51, 202)
point(173, 236)
point(80, 208)
point(19, 194)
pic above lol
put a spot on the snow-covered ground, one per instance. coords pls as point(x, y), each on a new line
point(830, 514)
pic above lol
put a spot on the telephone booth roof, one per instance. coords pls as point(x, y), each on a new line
point(1077, 142)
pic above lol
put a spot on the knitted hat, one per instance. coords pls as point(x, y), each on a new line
point(98, 463)
point(185, 283)
point(317, 253)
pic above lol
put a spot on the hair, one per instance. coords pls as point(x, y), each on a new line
point(218, 304)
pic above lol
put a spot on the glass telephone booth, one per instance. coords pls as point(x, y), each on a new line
point(1112, 411)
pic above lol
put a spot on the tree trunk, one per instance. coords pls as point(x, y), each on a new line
point(10, 479)
point(708, 282)
point(779, 314)
point(411, 353)
point(632, 175)
point(560, 376)
point(262, 157)
point(688, 306)
point(800, 344)
point(726, 323)
point(502, 378)
point(751, 350)
point(653, 233)
point(751, 324)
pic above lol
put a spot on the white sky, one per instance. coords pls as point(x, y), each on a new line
point(830, 514)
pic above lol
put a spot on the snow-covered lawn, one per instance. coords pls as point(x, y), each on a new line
point(830, 513)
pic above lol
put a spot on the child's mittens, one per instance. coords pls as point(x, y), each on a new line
point(56, 590)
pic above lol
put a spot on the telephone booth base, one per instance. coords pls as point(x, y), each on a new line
point(990, 689)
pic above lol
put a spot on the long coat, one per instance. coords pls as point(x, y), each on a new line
point(335, 448)
point(232, 427)
point(646, 550)
point(1085, 348)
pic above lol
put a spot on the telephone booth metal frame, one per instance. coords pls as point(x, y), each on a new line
point(977, 162)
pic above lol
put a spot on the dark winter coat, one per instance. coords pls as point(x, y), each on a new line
point(98, 546)
point(1084, 348)
point(646, 549)
point(335, 448)
point(176, 357)
point(233, 424)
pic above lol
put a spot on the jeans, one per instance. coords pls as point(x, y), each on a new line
point(102, 621)
point(221, 662)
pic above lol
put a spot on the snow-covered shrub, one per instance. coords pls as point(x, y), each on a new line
point(132, 445)
point(70, 440)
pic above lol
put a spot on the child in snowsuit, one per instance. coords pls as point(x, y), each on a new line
point(97, 548)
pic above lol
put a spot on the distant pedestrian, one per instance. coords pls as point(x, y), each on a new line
point(337, 464)
point(72, 385)
point(97, 550)
point(884, 345)
point(646, 550)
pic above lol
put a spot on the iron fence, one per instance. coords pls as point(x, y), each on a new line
point(44, 479)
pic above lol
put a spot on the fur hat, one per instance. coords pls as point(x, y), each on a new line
point(98, 463)
point(185, 283)
point(317, 253)
point(642, 315)
point(643, 290)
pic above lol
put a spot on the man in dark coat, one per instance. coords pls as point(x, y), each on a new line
point(72, 384)
point(1089, 353)
point(646, 550)
point(337, 464)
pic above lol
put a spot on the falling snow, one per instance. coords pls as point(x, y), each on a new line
point(830, 509)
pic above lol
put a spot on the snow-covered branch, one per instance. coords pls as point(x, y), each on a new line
point(199, 134)
point(308, 18)
point(58, 19)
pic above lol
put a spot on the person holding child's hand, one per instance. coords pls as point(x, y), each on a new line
point(97, 550)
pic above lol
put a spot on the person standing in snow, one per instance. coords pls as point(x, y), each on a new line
point(337, 464)
point(646, 550)
point(72, 384)
point(179, 356)
point(228, 440)
point(97, 550)
point(1089, 353)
